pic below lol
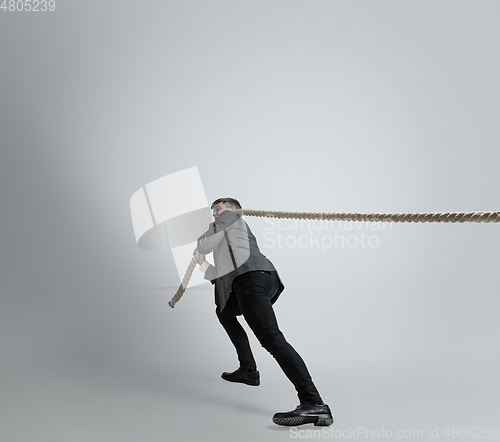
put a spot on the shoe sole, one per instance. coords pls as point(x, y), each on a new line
point(252, 384)
point(323, 420)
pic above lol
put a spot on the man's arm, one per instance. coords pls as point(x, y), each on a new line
point(213, 236)
point(209, 271)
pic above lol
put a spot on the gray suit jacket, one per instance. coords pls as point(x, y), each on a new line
point(235, 252)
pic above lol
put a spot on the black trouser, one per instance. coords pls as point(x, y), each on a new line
point(251, 296)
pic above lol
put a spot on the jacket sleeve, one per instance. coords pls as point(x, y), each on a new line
point(210, 274)
point(208, 271)
point(213, 236)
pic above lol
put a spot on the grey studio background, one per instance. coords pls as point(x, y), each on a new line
point(362, 106)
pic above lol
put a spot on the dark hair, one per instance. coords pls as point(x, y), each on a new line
point(231, 202)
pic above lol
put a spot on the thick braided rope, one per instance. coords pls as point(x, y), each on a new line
point(185, 281)
point(439, 217)
point(436, 217)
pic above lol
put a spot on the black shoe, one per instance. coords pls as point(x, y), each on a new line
point(243, 376)
point(305, 414)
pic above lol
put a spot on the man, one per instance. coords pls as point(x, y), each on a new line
point(246, 283)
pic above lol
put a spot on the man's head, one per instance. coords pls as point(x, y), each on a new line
point(222, 204)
